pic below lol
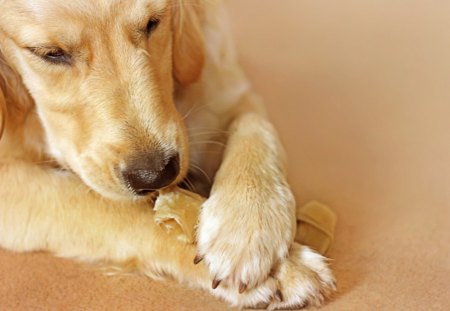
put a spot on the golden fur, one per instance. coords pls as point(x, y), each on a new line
point(65, 128)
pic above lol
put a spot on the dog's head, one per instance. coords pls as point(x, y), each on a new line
point(101, 75)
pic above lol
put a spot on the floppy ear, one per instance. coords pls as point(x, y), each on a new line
point(2, 112)
point(3, 91)
point(188, 41)
point(15, 100)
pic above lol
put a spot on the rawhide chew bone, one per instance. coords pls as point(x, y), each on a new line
point(315, 226)
point(176, 212)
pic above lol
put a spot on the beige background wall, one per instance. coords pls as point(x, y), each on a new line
point(361, 87)
point(360, 93)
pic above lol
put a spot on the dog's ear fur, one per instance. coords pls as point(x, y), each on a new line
point(2, 112)
point(188, 41)
point(15, 100)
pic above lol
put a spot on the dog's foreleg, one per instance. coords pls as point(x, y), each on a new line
point(248, 222)
point(46, 209)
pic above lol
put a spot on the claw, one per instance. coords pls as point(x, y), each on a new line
point(215, 283)
point(197, 259)
point(242, 287)
point(279, 295)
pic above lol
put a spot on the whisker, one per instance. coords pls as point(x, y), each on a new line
point(187, 3)
point(204, 133)
point(212, 129)
point(195, 109)
point(188, 183)
point(205, 142)
point(188, 112)
point(214, 152)
point(199, 169)
point(204, 128)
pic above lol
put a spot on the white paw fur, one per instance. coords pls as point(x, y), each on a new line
point(243, 236)
point(303, 278)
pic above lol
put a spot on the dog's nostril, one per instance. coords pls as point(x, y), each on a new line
point(147, 174)
point(171, 170)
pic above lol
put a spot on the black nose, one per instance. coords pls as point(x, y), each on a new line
point(151, 172)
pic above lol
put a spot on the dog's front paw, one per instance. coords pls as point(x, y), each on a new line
point(243, 234)
point(301, 279)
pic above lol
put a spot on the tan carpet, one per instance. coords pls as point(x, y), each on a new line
point(360, 92)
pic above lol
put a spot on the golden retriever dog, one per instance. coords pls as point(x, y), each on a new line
point(105, 102)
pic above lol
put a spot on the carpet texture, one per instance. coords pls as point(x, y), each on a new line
point(359, 92)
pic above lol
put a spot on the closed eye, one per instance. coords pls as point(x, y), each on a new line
point(52, 55)
point(151, 25)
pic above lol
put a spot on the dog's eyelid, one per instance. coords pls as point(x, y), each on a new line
point(152, 24)
point(153, 21)
point(51, 54)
